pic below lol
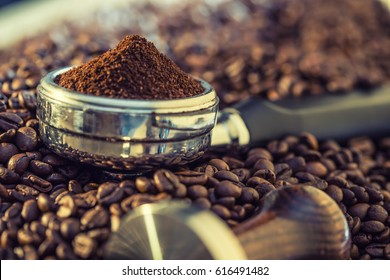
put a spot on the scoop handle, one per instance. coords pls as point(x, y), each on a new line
point(337, 116)
point(299, 222)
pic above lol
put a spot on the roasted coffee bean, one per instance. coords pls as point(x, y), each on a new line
point(45, 203)
point(227, 201)
point(37, 227)
point(30, 211)
point(355, 254)
point(13, 211)
point(219, 164)
point(10, 121)
point(30, 253)
point(165, 181)
point(8, 176)
point(84, 246)
point(40, 168)
point(94, 218)
point(277, 148)
point(372, 227)
point(338, 181)
point(226, 175)
point(249, 195)
point(297, 164)
point(53, 160)
point(197, 191)
point(349, 197)
point(359, 210)
point(74, 187)
point(8, 135)
point(56, 178)
point(19, 163)
point(210, 170)
point(228, 188)
point(316, 168)
point(26, 139)
point(189, 177)
point(40, 184)
point(145, 185)
point(86, 200)
point(260, 185)
point(243, 174)
point(33, 123)
point(263, 164)
point(383, 236)
point(3, 191)
point(335, 193)
point(65, 252)
point(221, 211)
point(69, 228)
point(360, 194)
point(26, 190)
point(7, 150)
point(362, 239)
point(27, 237)
point(67, 206)
point(202, 202)
point(99, 234)
point(386, 252)
point(115, 209)
point(375, 250)
point(356, 226)
point(310, 140)
point(282, 171)
point(375, 195)
point(109, 193)
point(233, 162)
point(378, 213)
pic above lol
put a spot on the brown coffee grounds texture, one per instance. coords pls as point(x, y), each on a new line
point(134, 69)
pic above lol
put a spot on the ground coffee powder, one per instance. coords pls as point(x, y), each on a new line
point(134, 69)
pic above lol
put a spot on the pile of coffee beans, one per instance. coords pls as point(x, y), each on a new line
point(134, 69)
point(52, 208)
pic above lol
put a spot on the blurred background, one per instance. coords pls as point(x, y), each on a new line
point(268, 48)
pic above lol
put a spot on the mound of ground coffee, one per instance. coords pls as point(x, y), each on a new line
point(134, 69)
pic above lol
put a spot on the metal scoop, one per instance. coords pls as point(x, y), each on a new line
point(299, 222)
point(140, 135)
point(132, 135)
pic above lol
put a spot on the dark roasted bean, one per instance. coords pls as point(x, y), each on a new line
point(221, 211)
point(95, 217)
point(197, 191)
point(165, 180)
point(109, 193)
point(189, 177)
point(378, 213)
point(226, 175)
point(228, 188)
point(372, 226)
point(219, 164)
point(7, 176)
point(84, 246)
point(30, 211)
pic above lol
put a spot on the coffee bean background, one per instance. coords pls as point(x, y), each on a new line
point(52, 208)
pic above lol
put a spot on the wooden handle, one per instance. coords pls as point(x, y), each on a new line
point(299, 222)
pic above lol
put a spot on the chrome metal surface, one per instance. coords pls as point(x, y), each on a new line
point(173, 230)
point(125, 134)
point(230, 129)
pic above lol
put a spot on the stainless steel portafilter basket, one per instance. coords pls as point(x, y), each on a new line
point(123, 134)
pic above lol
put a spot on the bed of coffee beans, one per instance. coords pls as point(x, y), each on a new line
point(52, 208)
